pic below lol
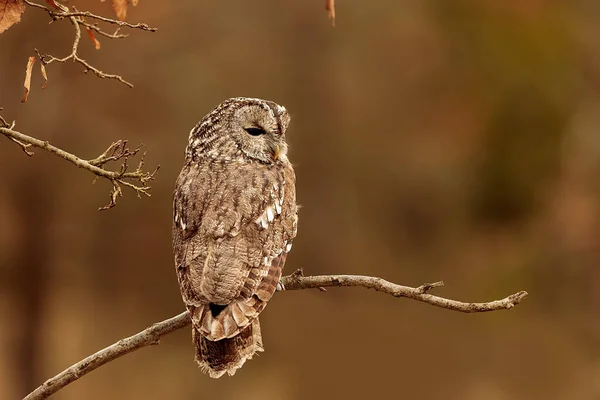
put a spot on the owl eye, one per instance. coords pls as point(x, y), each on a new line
point(255, 131)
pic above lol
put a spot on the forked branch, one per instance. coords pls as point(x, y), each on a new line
point(77, 19)
point(136, 180)
point(295, 281)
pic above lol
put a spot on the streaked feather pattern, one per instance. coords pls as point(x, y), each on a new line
point(235, 217)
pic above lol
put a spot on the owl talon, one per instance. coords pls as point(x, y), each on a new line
point(279, 287)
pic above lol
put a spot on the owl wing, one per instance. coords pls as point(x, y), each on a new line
point(231, 234)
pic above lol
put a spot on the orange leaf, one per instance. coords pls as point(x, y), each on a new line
point(44, 75)
point(52, 3)
point(10, 13)
point(93, 38)
point(27, 83)
point(120, 7)
point(57, 5)
point(330, 7)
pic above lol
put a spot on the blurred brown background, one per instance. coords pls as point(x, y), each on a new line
point(453, 140)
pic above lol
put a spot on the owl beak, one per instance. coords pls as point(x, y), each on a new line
point(276, 152)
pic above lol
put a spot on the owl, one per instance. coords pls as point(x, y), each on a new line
point(235, 217)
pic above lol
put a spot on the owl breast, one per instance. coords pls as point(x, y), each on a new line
point(231, 220)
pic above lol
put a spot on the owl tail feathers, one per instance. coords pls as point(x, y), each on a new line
point(216, 358)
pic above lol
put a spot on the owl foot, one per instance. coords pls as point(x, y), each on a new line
point(279, 287)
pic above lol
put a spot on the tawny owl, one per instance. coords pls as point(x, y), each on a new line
point(235, 217)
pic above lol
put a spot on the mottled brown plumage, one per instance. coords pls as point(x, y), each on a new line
point(235, 217)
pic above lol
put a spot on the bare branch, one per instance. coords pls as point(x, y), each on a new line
point(57, 15)
point(117, 151)
point(295, 281)
point(147, 337)
point(77, 19)
point(24, 146)
point(96, 28)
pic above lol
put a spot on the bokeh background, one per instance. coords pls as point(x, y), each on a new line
point(433, 140)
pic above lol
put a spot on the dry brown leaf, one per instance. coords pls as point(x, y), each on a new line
point(57, 5)
point(93, 38)
point(27, 83)
point(43, 69)
point(120, 7)
point(330, 7)
point(52, 3)
point(10, 13)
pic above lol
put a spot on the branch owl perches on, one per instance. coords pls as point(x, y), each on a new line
point(295, 281)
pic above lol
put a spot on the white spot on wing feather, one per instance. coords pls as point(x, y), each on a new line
point(265, 271)
point(270, 212)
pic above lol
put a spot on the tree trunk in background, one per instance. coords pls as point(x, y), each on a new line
point(29, 277)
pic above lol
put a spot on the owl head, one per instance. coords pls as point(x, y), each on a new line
point(241, 128)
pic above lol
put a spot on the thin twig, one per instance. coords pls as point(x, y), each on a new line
point(77, 19)
point(295, 281)
point(96, 28)
point(57, 15)
point(117, 151)
point(48, 59)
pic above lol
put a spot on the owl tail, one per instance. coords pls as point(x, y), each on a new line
point(216, 358)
